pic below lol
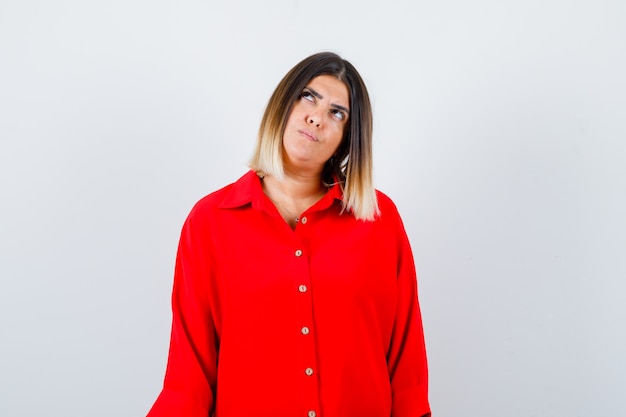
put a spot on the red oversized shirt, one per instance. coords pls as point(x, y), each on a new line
point(320, 321)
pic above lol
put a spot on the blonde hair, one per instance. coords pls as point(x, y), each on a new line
point(352, 164)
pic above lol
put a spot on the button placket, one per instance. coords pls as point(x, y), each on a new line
point(305, 323)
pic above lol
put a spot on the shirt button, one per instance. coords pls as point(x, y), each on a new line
point(302, 288)
point(304, 220)
point(308, 371)
point(305, 330)
point(298, 253)
point(311, 413)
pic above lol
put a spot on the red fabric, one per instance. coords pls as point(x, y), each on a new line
point(246, 285)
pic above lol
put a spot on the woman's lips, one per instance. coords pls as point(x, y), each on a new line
point(308, 135)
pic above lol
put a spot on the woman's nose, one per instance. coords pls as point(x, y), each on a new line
point(314, 119)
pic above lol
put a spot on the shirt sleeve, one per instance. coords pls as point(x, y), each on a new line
point(190, 377)
point(407, 354)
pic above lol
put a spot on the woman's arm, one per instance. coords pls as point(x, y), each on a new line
point(190, 378)
point(407, 354)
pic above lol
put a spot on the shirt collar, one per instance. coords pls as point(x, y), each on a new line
point(248, 190)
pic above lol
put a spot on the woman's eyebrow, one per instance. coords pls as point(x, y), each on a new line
point(318, 95)
point(337, 106)
point(315, 93)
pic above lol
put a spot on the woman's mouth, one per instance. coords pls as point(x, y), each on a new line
point(308, 135)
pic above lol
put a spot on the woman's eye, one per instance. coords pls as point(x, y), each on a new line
point(307, 96)
point(338, 114)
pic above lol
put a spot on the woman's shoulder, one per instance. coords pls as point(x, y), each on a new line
point(213, 199)
point(232, 195)
point(390, 220)
point(386, 205)
point(204, 209)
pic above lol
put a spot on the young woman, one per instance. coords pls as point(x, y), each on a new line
point(295, 292)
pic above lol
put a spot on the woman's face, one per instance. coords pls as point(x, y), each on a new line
point(316, 124)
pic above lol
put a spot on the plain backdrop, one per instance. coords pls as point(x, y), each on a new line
point(500, 132)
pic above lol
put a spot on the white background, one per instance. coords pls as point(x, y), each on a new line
point(500, 132)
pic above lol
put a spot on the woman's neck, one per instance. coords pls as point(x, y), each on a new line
point(295, 187)
point(294, 194)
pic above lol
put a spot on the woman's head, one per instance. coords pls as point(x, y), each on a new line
point(351, 163)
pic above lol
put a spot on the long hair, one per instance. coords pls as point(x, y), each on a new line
point(352, 164)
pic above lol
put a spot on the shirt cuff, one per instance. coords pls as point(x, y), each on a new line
point(411, 402)
point(172, 403)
